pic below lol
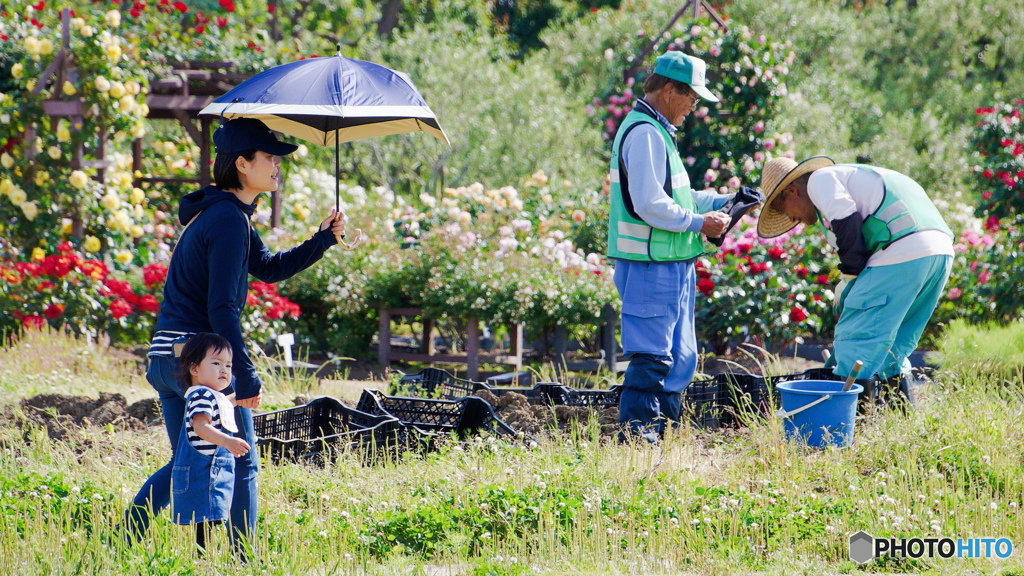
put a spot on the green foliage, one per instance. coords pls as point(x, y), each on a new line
point(894, 83)
point(998, 140)
point(990, 350)
point(505, 119)
point(984, 286)
point(526, 20)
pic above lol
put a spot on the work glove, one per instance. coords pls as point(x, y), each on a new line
point(842, 287)
point(743, 201)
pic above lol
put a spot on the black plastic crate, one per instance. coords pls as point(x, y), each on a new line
point(595, 398)
point(437, 383)
point(461, 417)
point(750, 396)
point(309, 433)
point(706, 402)
point(543, 393)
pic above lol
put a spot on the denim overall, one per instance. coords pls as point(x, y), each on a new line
point(201, 486)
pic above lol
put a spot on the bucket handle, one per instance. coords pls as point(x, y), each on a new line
point(780, 413)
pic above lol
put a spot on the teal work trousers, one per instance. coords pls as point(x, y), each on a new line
point(883, 314)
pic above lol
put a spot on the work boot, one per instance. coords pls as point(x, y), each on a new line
point(867, 398)
point(894, 393)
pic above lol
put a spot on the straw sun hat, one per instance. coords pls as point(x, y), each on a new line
point(775, 176)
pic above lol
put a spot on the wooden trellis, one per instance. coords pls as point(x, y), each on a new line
point(695, 7)
point(60, 105)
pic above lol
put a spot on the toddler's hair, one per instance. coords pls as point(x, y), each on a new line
point(195, 350)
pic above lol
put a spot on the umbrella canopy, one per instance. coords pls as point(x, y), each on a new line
point(330, 100)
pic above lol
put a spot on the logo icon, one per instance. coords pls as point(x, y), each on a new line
point(862, 547)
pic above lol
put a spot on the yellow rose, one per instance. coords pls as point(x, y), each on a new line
point(113, 51)
point(111, 201)
point(126, 104)
point(17, 195)
point(46, 46)
point(170, 148)
point(78, 179)
point(132, 87)
point(53, 152)
point(65, 226)
point(124, 221)
point(69, 88)
point(30, 85)
point(6, 186)
point(137, 231)
point(124, 257)
point(30, 209)
point(41, 178)
point(77, 23)
point(17, 70)
point(102, 84)
point(87, 31)
point(92, 244)
point(138, 130)
point(6, 160)
point(143, 110)
point(139, 212)
point(38, 254)
point(113, 18)
point(32, 45)
point(117, 90)
point(63, 134)
point(138, 196)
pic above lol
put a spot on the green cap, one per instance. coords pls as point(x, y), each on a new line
point(687, 69)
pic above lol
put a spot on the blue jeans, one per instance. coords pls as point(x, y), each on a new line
point(155, 494)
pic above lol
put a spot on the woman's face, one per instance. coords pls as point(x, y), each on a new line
point(261, 174)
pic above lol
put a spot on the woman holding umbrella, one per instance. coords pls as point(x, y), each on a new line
point(206, 290)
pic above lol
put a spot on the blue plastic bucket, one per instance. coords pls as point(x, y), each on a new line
point(819, 412)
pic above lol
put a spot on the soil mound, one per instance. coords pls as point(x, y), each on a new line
point(515, 410)
point(61, 414)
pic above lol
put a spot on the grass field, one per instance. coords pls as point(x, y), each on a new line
point(737, 502)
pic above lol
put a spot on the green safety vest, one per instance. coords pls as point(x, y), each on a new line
point(905, 209)
point(629, 237)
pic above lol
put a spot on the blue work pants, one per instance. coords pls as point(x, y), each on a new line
point(658, 338)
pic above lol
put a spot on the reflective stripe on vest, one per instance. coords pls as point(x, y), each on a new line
point(904, 210)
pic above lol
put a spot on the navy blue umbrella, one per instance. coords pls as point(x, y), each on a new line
point(331, 100)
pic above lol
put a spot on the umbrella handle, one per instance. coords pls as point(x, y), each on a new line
point(359, 241)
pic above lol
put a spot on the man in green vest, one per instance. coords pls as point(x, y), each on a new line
point(895, 254)
point(654, 233)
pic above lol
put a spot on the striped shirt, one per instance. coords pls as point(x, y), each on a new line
point(201, 400)
point(163, 342)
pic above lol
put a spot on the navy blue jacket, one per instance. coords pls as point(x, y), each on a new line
point(208, 279)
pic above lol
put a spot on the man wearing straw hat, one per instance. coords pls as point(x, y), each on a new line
point(654, 232)
point(895, 254)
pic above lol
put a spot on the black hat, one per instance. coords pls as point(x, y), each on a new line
point(243, 134)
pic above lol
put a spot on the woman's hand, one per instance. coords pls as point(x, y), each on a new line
point(336, 222)
point(251, 403)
